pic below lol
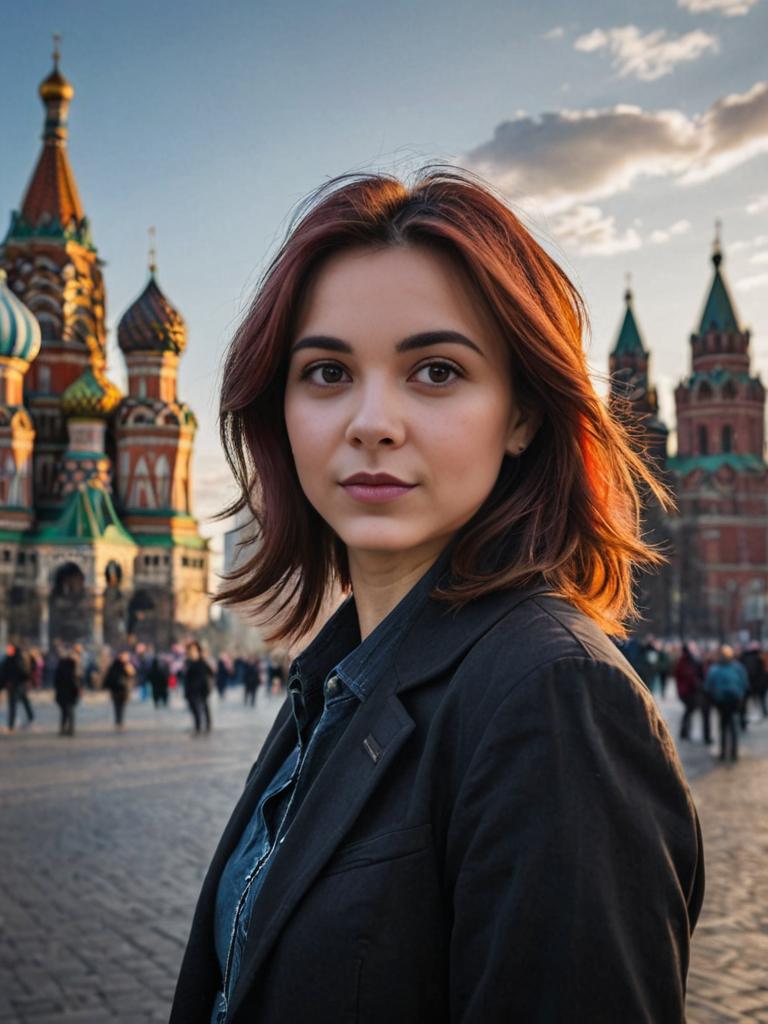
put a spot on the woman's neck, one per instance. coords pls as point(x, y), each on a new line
point(381, 580)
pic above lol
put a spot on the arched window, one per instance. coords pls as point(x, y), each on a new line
point(726, 444)
point(705, 392)
point(141, 494)
point(162, 481)
point(729, 390)
point(703, 441)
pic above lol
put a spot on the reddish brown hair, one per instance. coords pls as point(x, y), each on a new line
point(568, 510)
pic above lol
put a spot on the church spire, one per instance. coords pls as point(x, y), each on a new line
point(51, 205)
point(719, 313)
point(629, 340)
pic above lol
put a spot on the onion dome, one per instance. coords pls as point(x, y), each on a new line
point(152, 324)
point(91, 396)
point(19, 329)
point(56, 87)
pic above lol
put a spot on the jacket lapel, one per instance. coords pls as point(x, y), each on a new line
point(346, 781)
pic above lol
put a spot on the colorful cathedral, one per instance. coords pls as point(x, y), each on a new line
point(716, 582)
point(98, 542)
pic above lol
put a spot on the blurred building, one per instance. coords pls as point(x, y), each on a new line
point(98, 542)
point(716, 582)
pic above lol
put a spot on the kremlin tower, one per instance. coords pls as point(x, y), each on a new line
point(98, 543)
point(721, 478)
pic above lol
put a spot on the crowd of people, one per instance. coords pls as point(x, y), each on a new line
point(707, 678)
point(69, 671)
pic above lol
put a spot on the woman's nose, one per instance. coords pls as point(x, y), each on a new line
point(376, 420)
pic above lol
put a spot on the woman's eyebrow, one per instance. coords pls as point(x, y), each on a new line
point(409, 344)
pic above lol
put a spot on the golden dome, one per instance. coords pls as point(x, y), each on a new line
point(56, 87)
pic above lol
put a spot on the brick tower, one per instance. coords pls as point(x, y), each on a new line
point(721, 478)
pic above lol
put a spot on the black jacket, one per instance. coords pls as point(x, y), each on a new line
point(501, 834)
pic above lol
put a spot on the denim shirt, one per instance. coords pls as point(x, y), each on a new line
point(327, 682)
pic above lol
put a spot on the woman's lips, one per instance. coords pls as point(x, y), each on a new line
point(374, 488)
point(373, 493)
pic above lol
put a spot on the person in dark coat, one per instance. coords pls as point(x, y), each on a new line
point(119, 681)
point(67, 684)
point(469, 808)
point(689, 676)
point(158, 675)
point(198, 682)
point(15, 677)
point(252, 677)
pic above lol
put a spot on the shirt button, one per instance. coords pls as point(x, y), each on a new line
point(332, 686)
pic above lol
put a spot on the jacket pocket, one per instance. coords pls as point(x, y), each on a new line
point(388, 846)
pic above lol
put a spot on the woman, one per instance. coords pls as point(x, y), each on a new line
point(198, 681)
point(468, 809)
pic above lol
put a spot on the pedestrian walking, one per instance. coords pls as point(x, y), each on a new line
point(15, 678)
point(158, 675)
point(689, 677)
point(198, 682)
point(224, 674)
point(67, 683)
point(469, 808)
point(119, 681)
point(727, 684)
point(252, 674)
point(753, 665)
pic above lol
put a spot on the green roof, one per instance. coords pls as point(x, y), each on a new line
point(87, 518)
point(629, 339)
point(162, 540)
point(684, 464)
point(719, 314)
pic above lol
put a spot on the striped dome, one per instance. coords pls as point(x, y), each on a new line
point(19, 329)
point(152, 324)
point(91, 396)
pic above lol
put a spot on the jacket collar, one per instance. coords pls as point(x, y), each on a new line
point(438, 637)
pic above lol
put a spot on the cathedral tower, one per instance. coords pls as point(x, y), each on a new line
point(53, 267)
point(155, 433)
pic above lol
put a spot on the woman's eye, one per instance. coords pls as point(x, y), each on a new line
point(324, 373)
point(437, 373)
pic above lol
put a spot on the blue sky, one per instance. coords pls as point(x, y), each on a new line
point(620, 131)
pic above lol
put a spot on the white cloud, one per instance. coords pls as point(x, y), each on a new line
point(662, 235)
point(554, 33)
point(730, 8)
point(758, 204)
point(749, 284)
point(760, 257)
point(593, 233)
point(649, 56)
point(567, 156)
point(747, 243)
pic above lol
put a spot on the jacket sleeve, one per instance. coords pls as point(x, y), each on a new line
point(574, 858)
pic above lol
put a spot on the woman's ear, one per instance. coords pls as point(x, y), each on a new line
point(523, 428)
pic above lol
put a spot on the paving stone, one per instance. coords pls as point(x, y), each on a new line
point(106, 838)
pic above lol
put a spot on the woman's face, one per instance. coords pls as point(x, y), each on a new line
point(398, 405)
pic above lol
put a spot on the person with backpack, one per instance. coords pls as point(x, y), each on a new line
point(15, 676)
point(727, 683)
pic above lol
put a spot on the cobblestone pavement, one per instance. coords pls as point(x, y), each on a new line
point(105, 838)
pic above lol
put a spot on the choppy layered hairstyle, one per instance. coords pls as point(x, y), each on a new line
point(568, 511)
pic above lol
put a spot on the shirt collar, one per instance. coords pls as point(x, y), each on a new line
point(337, 646)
